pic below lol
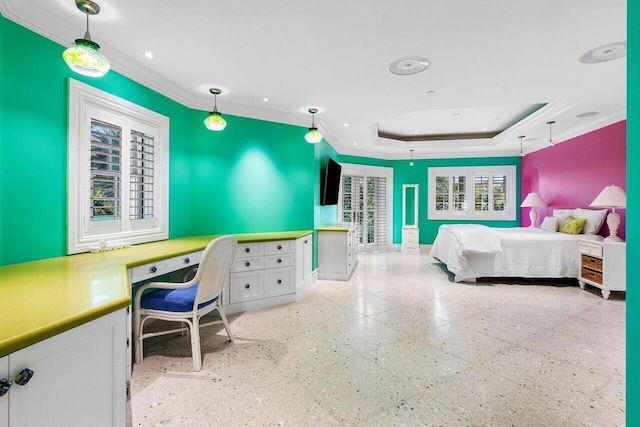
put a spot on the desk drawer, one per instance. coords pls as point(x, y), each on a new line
point(247, 264)
point(247, 286)
point(147, 271)
point(250, 250)
point(279, 247)
point(278, 282)
point(275, 261)
point(590, 249)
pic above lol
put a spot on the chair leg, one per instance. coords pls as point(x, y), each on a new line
point(224, 321)
point(137, 337)
point(196, 353)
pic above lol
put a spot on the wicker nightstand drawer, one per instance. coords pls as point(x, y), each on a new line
point(591, 262)
point(594, 276)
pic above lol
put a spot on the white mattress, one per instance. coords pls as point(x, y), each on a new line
point(526, 252)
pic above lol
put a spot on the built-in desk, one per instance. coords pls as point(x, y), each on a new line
point(73, 309)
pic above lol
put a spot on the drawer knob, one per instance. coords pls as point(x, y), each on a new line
point(279, 281)
point(279, 246)
point(306, 241)
point(247, 286)
point(247, 250)
point(5, 385)
point(247, 264)
point(187, 260)
point(279, 261)
point(154, 269)
point(24, 376)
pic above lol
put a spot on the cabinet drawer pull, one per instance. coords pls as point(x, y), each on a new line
point(247, 286)
point(187, 260)
point(279, 261)
point(279, 281)
point(5, 385)
point(24, 376)
point(279, 247)
point(247, 250)
point(154, 269)
point(247, 264)
point(306, 241)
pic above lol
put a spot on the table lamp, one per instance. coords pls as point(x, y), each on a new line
point(532, 201)
point(611, 197)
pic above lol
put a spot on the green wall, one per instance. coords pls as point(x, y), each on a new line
point(417, 174)
point(633, 209)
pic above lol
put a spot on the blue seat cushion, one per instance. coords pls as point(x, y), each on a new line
point(176, 300)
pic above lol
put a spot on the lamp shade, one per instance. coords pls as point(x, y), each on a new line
point(610, 197)
point(85, 58)
point(215, 121)
point(533, 200)
point(313, 136)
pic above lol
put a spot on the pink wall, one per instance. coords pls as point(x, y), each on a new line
point(572, 173)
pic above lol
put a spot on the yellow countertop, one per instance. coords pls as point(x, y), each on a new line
point(40, 299)
point(340, 227)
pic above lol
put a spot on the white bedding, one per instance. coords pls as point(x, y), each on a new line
point(525, 252)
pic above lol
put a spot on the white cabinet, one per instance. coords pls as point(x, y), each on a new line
point(79, 378)
point(410, 240)
point(336, 253)
point(603, 265)
point(268, 273)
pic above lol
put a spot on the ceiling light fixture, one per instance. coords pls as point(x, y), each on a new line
point(521, 152)
point(149, 54)
point(214, 120)
point(411, 161)
point(607, 52)
point(408, 65)
point(85, 58)
point(551, 141)
point(313, 136)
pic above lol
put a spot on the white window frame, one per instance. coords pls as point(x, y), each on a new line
point(85, 101)
point(378, 172)
point(469, 172)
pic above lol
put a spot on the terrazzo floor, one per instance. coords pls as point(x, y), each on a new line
point(400, 344)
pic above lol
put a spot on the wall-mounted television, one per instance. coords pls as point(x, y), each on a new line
point(330, 182)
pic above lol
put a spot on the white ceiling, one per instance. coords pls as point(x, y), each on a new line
point(489, 60)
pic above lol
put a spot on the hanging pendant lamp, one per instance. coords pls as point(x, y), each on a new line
point(521, 152)
point(313, 136)
point(214, 120)
point(551, 141)
point(85, 57)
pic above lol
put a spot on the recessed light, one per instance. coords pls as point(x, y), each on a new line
point(455, 114)
point(484, 129)
point(415, 132)
point(408, 65)
point(346, 125)
point(607, 52)
point(588, 114)
point(148, 54)
point(265, 99)
point(431, 92)
point(355, 143)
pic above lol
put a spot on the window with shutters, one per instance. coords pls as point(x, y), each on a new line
point(365, 200)
point(482, 192)
point(118, 171)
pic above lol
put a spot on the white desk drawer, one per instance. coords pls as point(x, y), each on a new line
point(147, 271)
point(275, 261)
point(278, 282)
point(183, 261)
point(250, 250)
point(279, 247)
point(247, 264)
point(245, 286)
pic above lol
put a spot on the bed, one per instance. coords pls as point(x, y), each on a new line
point(471, 251)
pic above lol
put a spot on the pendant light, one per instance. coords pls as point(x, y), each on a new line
point(411, 161)
point(214, 120)
point(313, 136)
point(551, 141)
point(521, 152)
point(85, 58)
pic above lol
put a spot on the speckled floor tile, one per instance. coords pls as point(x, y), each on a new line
point(400, 344)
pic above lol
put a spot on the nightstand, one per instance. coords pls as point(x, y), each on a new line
point(603, 265)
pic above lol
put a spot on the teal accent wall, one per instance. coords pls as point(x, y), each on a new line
point(417, 174)
point(633, 210)
point(255, 176)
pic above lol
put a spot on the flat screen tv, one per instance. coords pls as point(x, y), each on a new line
point(330, 183)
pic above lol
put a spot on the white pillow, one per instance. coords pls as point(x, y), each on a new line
point(562, 215)
point(595, 218)
point(550, 223)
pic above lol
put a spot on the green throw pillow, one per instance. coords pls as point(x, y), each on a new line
point(573, 225)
